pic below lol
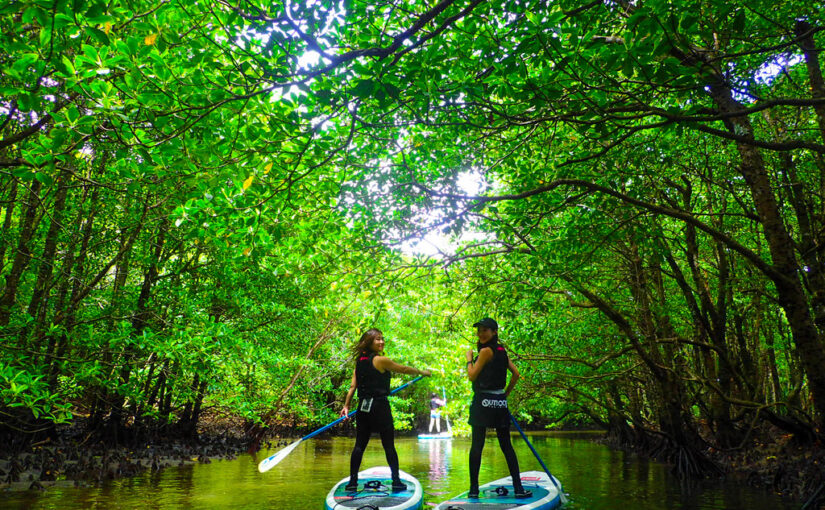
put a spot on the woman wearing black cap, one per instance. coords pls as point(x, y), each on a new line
point(372, 380)
point(488, 372)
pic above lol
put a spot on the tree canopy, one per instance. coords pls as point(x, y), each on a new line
point(204, 204)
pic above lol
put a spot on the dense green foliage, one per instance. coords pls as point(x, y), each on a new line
point(205, 204)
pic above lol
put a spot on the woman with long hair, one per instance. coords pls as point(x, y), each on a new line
point(372, 380)
point(488, 373)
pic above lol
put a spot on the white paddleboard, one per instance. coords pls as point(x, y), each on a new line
point(440, 435)
point(499, 495)
point(374, 490)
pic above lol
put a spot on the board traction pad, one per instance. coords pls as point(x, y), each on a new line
point(489, 499)
point(381, 497)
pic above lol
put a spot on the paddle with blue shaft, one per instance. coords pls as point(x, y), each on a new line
point(270, 462)
point(446, 418)
point(552, 478)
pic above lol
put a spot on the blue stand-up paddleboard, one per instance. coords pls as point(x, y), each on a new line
point(375, 491)
point(499, 495)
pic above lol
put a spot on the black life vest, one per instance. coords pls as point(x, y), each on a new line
point(370, 382)
point(494, 374)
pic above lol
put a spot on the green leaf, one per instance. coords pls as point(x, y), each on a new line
point(96, 10)
point(392, 91)
point(627, 67)
point(662, 47)
point(30, 14)
point(66, 67)
point(23, 172)
point(363, 89)
point(26, 102)
point(688, 21)
point(90, 52)
point(25, 61)
point(61, 20)
point(72, 114)
point(44, 178)
point(45, 36)
point(739, 21)
point(98, 35)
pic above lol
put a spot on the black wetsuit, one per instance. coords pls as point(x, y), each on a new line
point(489, 409)
point(373, 389)
point(374, 414)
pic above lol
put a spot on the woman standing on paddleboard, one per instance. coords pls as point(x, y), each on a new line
point(488, 373)
point(372, 380)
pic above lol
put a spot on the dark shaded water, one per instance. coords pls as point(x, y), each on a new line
point(595, 477)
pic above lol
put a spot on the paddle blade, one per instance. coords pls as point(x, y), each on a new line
point(270, 462)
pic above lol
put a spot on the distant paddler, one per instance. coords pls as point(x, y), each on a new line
point(371, 378)
point(436, 403)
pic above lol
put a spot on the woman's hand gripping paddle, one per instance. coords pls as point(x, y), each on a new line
point(271, 461)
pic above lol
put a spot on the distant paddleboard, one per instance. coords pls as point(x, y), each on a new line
point(441, 435)
point(499, 495)
point(375, 491)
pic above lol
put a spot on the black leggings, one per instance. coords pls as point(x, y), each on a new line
point(477, 446)
point(362, 437)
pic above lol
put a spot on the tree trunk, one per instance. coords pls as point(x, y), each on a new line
point(116, 398)
point(808, 45)
point(64, 308)
point(139, 322)
point(158, 387)
point(166, 405)
point(186, 421)
point(790, 293)
point(8, 209)
point(683, 446)
point(677, 424)
point(22, 255)
point(39, 298)
point(618, 430)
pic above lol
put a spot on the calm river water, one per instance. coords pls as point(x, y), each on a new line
point(595, 478)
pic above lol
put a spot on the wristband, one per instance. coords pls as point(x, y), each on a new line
point(469, 362)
